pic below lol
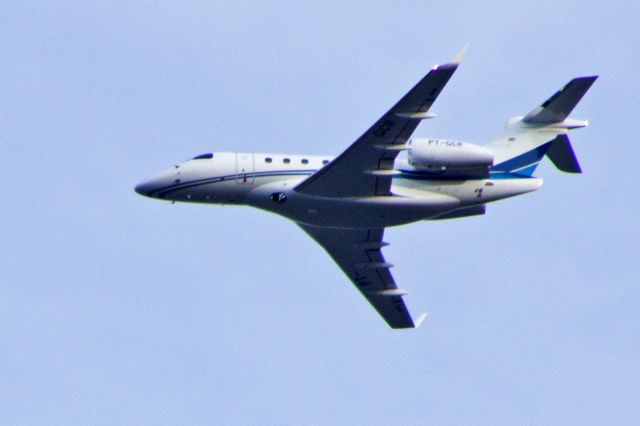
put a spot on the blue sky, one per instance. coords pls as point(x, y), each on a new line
point(119, 309)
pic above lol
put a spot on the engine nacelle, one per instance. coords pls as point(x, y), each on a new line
point(439, 155)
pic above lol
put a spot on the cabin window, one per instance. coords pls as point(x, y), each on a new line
point(325, 162)
point(286, 161)
point(268, 160)
point(207, 156)
point(304, 161)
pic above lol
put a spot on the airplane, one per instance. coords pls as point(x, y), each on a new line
point(385, 179)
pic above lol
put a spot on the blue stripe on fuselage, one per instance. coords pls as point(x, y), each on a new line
point(523, 164)
point(161, 192)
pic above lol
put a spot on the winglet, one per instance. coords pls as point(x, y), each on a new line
point(453, 64)
point(458, 58)
point(418, 321)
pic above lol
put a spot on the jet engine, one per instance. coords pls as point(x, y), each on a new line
point(441, 155)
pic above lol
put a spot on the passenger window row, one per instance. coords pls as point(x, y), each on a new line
point(288, 161)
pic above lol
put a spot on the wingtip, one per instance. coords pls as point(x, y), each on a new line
point(453, 64)
point(419, 320)
point(460, 55)
point(589, 79)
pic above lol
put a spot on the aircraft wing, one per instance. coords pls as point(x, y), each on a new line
point(357, 252)
point(366, 167)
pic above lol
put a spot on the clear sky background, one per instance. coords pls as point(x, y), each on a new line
point(115, 308)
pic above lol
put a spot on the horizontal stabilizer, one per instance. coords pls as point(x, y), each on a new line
point(562, 156)
point(559, 106)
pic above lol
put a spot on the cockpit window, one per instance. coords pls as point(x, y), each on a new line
point(207, 156)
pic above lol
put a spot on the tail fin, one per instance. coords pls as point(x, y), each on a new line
point(525, 140)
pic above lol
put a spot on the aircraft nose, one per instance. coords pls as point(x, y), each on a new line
point(144, 188)
point(151, 187)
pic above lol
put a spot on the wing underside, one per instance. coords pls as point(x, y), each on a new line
point(358, 253)
point(366, 167)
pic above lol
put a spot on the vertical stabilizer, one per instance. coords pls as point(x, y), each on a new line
point(526, 140)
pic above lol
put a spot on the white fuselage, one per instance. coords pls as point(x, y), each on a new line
point(266, 181)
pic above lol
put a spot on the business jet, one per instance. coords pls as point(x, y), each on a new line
point(384, 179)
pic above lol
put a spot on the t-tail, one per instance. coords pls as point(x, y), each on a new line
point(526, 140)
